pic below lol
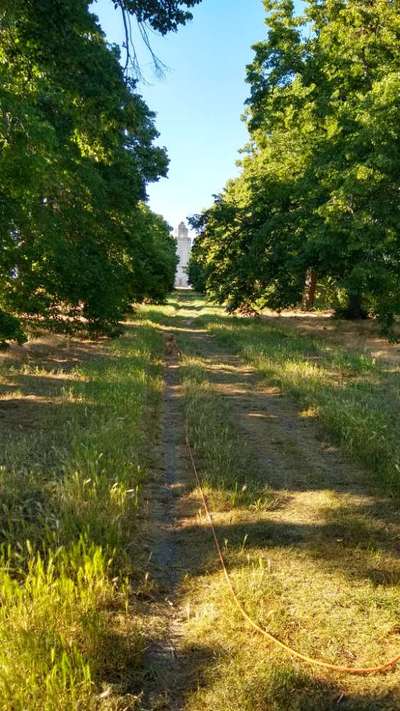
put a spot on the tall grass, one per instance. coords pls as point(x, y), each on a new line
point(321, 571)
point(353, 396)
point(70, 486)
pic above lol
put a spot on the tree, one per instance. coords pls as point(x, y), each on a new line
point(196, 270)
point(77, 152)
point(317, 192)
point(162, 15)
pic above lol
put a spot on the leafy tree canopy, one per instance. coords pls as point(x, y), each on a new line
point(161, 15)
point(77, 151)
point(320, 176)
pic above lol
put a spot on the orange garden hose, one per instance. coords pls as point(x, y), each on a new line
point(293, 652)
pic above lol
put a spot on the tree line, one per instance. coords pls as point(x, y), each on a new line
point(77, 151)
point(316, 206)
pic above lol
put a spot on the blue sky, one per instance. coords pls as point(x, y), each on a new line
point(200, 100)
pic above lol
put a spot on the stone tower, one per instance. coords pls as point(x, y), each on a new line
point(184, 247)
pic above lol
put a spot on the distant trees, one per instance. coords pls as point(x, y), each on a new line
point(319, 189)
point(77, 150)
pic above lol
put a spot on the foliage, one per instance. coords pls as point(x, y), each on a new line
point(78, 149)
point(319, 182)
point(10, 329)
point(154, 260)
point(196, 270)
point(160, 15)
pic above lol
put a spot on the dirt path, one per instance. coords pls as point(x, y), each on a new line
point(177, 548)
point(327, 508)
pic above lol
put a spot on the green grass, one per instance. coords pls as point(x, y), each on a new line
point(70, 483)
point(320, 571)
point(355, 398)
point(226, 466)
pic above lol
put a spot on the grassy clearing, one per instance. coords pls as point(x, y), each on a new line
point(354, 397)
point(320, 571)
point(319, 613)
point(73, 456)
point(226, 465)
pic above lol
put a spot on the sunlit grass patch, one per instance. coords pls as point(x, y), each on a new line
point(52, 618)
point(352, 395)
point(320, 612)
point(228, 470)
point(70, 485)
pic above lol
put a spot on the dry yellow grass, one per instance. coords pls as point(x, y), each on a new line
point(320, 571)
point(76, 423)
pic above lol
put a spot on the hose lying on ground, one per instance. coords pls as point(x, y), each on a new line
point(293, 652)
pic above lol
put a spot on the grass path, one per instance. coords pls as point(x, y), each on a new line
point(311, 544)
point(111, 592)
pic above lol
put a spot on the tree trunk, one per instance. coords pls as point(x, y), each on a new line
point(310, 289)
point(354, 309)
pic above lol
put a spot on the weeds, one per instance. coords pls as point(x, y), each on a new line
point(70, 483)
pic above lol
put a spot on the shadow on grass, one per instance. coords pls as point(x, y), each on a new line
point(350, 534)
point(39, 402)
point(354, 550)
point(292, 689)
point(175, 687)
point(358, 401)
point(360, 526)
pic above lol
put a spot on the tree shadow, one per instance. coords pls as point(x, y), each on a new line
point(295, 689)
point(351, 532)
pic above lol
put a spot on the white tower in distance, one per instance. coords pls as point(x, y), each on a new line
point(184, 247)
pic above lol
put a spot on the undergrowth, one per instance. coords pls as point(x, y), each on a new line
point(70, 481)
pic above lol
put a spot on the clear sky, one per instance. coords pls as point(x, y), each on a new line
point(200, 100)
